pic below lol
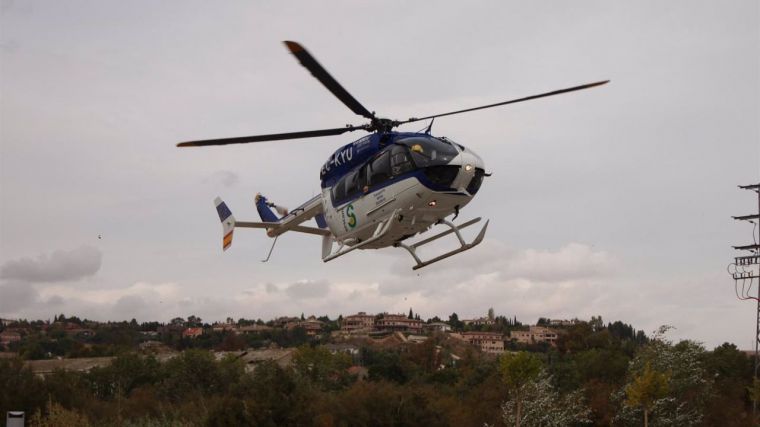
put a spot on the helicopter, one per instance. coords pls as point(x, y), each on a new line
point(380, 190)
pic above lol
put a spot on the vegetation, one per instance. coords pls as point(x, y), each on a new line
point(596, 374)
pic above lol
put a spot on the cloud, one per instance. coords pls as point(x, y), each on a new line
point(149, 291)
point(15, 296)
point(308, 289)
point(574, 261)
point(225, 178)
point(57, 267)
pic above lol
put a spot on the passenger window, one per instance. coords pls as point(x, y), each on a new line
point(400, 160)
point(379, 170)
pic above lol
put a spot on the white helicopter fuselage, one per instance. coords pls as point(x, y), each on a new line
point(377, 192)
point(416, 207)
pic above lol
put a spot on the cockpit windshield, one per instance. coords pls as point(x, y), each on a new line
point(429, 151)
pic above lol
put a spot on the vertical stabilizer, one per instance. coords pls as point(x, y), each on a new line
point(228, 222)
point(265, 212)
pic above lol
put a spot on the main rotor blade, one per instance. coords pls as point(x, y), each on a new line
point(528, 98)
point(311, 64)
point(270, 137)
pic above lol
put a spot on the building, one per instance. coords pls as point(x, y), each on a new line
point(438, 326)
point(488, 342)
point(482, 321)
point(8, 337)
point(360, 322)
point(285, 321)
point(224, 327)
point(252, 329)
point(562, 322)
point(397, 323)
point(283, 357)
point(192, 332)
point(43, 368)
point(312, 325)
point(534, 335)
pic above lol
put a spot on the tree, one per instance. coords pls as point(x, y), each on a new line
point(544, 406)
point(517, 371)
point(647, 387)
point(194, 321)
point(689, 387)
point(19, 387)
point(491, 314)
point(320, 367)
point(596, 323)
point(754, 390)
point(58, 416)
point(454, 321)
point(411, 315)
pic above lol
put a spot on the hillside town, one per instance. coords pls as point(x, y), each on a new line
point(366, 369)
point(73, 338)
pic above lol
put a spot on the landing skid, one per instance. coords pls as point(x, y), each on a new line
point(452, 229)
point(383, 228)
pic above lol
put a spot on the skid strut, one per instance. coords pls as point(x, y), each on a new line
point(380, 231)
point(452, 229)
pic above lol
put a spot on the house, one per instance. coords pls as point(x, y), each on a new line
point(349, 349)
point(252, 329)
point(482, 321)
point(283, 357)
point(8, 337)
point(192, 332)
point(344, 348)
point(312, 325)
point(534, 335)
point(79, 332)
point(225, 327)
point(360, 322)
point(285, 321)
point(438, 326)
point(43, 368)
point(488, 342)
point(416, 339)
point(397, 323)
point(562, 322)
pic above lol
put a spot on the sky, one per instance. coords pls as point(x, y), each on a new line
point(614, 201)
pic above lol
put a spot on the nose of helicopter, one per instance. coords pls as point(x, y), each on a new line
point(471, 172)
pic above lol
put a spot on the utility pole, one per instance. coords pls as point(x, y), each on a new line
point(746, 269)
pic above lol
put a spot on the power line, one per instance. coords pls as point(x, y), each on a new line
point(746, 269)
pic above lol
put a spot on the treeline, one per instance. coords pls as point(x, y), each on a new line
point(597, 375)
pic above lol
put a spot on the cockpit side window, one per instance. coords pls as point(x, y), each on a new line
point(339, 190)
point(379, 169)
point(355, 182)
point(401, 161)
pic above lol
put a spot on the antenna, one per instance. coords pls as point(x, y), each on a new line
point(430, 126)
point(746, 270)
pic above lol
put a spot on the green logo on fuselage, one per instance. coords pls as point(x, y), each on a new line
point(351, 216)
